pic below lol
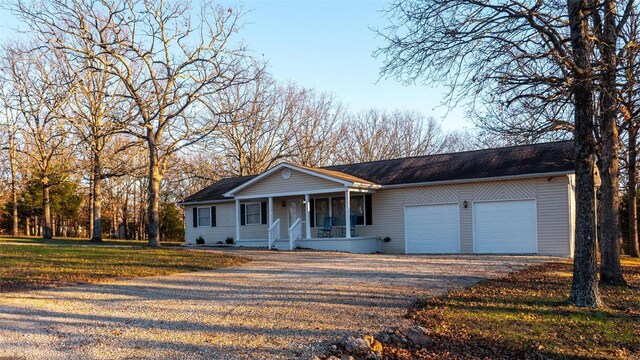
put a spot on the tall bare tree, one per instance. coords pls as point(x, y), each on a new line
point(520, 51)
point(631, 110)
point(168, 57)
point(258, 124)
point(10, 133)
point(41, 92)
point(97, 117)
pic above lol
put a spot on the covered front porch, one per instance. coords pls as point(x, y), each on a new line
point(314, 220)
point(293, 207)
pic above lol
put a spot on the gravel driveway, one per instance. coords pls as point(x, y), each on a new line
point(280, 305)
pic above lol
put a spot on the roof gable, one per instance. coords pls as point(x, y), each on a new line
point(340, 179)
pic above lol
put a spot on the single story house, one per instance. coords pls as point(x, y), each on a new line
point(510, 200)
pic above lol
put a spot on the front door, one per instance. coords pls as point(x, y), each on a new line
point(294, 211)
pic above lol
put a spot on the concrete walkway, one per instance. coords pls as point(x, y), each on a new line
point(281, 305)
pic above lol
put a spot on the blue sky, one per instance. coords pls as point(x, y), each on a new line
point(327, 45)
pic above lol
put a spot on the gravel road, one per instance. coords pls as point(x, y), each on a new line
point(281, 305)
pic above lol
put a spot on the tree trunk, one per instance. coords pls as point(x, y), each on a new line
point(153, 206)
point(15, 231)
point(97, 199)
point(46, 206)
point(632, 248)
point(610, 268)
point(27, 226)
point(584, 287)
point(91, 204)
point(125, 220)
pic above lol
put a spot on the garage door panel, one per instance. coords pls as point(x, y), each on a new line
point(432, 229)
point(507, 227)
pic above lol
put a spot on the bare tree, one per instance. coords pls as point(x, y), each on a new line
point(258, 124)
point(519, 51)
point(606, 29)
point(378, 135)
point(631, 110)
point(10, 127)
point(315, 133)
point(41, 92)
point(167, 59)
point(97, 117)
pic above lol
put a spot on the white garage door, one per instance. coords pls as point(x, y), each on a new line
point(432, 229)
point(505, 227)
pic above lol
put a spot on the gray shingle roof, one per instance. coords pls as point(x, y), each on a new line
point(498, 162)
point(489, 163)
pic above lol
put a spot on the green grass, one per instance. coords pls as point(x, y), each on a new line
point(36, 265)
point(525, 315)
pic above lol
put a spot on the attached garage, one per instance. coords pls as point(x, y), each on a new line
point(505, 227)
point(432, 229)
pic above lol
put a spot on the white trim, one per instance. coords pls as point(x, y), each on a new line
point(238, 212)
point(269, 211)
point(198, 216)
point(347, 214)
point(292, 193)
point(404, 214)
point(307, 215)
point(463, 181)
point(246, 213)
point(274, 169)
point(473, 219)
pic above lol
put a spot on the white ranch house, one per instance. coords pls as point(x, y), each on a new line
point(512, 200)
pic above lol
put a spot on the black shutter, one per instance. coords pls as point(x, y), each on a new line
point(195, 217)
point(243, 211)
point(213, 216)
point(312, 213)
point(263, 212)
point(367, 210)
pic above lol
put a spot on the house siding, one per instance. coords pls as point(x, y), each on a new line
point(555, 205)
point(466, 218)
point(553, 217)
point(298, 182)
point(388, 219)
point(225, 226)
point(553, 199)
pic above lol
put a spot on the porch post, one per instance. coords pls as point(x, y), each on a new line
point(307, 215)
point(270, 211)
point(347, 214)
point(237, 220)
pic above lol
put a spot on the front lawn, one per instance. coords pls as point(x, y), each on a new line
point(35, 265)
point(525, 315)
point(77, 241)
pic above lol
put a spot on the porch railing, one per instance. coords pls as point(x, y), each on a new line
point(295, 233)
point(274, 232)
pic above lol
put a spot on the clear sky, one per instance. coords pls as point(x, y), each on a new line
point(327, 45)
